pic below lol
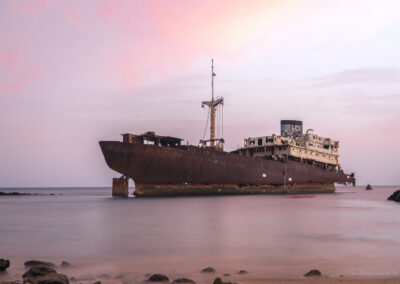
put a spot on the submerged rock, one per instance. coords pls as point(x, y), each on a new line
point(65, 264)
point(369, 187)
point(395, 196)
point(313, 272)
point(158, 278)
point(184, 280)
point(208, 270)
point(32, 263)
point(104, 276)
point(4, 264)
point(242, 272)
point(44, 275)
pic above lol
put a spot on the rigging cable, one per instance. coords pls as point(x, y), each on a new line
point(205, 130)
point(222, 107)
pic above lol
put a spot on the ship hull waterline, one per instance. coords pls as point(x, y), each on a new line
point(190, 170)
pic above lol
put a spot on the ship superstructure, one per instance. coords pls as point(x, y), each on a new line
point(292, 144)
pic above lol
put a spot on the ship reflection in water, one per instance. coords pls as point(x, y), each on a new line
point(350, 233)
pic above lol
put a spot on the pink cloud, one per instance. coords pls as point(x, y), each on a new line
point(24, 80)
point(9, 58)
point(155, 33)
point(30, 7)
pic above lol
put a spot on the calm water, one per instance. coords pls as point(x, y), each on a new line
point(352, 232)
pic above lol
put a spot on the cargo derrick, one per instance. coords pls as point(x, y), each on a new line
point(292, 162)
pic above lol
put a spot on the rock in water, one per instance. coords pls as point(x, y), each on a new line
point(208, 270)
point(313, 272)
point(65, 264)
point(369, 187)
point(31, 263)
point(242, 272)
point(4, 264)
point(44, 275)
point(158, 278)
point(395, 196)
point(183, 280)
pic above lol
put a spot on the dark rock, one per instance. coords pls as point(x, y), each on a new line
point(242, 272)
point(97, 282)
point(44, 275)
point(65, 264)
point(369, 187)
point(184, 280)
point(395, 196)
point(218, 280)
point(4, 264)
point(31, 263)
point(12, 193)
point(208, 270)
point(313, 272)
point(158, 278)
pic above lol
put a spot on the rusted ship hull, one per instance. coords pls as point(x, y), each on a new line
point(190, 170)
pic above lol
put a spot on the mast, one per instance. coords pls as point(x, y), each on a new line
point(212, 126)
point(212, 105)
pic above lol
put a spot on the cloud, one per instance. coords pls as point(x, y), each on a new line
point(355, 76)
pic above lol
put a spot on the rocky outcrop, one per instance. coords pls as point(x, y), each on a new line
point(395, 196)
point(44, 275)
point(242, 272)
point(184, 281)
point(369, 187)
point(158, 278)
point(208, 270)
point(32, 263)
point(313, 272)
point(4, 264)
point(12, 193)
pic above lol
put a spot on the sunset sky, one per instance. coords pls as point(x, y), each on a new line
point(76, 72)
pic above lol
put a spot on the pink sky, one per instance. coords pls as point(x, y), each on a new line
point(76, 72)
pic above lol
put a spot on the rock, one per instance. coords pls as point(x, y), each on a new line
point(208, 270)
point(4, 264)
point(65, 264)
point(158, 278)
point(395, 196)
point(369, 187)
point(44, 275)
point(313, 272)
point(218, 280)
point(97, 282)
point(242, 272)
point(12, 193)
point(31, 263)
point(184, 280)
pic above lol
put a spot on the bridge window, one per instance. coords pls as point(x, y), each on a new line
point(259, 141)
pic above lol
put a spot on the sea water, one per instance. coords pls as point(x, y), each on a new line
point(350, 232)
